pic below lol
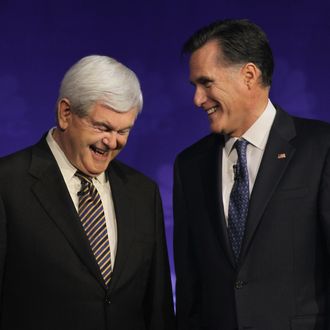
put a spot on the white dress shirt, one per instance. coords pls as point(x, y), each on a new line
point(257, 136)
point(73, 184)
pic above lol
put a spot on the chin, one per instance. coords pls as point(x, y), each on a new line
point(217, 130)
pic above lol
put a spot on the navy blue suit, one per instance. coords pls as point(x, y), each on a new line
point(281, 281)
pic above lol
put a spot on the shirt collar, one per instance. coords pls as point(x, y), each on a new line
point(258, 133)
point(67, 169)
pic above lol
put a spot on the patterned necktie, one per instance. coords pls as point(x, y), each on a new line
point(239, 199)
point(91, 215)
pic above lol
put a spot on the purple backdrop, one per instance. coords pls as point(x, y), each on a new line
point(40, 39)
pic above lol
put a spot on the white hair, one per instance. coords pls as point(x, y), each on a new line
point(101, 79)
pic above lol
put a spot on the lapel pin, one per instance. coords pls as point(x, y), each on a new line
point(281, 156)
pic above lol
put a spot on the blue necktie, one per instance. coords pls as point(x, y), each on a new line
point(92, 218)
point(239, 199)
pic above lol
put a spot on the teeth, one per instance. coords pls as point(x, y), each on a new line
point(97, 150)
point(211, 110)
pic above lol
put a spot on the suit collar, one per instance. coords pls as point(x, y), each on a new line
point(211, 182)
point(270, 172)
point(53, 195)
point(125, 215)
point(277, 156)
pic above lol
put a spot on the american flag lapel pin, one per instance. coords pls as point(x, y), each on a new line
point(281, 155)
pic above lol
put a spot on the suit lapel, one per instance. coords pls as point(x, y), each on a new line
point(124, 209)
point(211, 178)
point(53, 195)
point(278, 154)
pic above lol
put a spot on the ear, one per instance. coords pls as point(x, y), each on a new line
point(63, 114)
point(251, 74)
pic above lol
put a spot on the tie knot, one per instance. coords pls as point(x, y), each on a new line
point(84, 178)
point(240, 146)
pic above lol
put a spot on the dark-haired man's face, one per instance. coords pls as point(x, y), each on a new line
point(220, 90)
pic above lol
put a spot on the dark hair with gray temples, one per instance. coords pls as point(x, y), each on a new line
point(101, 79)
point(240, 41)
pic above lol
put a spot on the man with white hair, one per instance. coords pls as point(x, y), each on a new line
point(82, 243)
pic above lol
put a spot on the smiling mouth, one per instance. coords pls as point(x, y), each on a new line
point(211, 110)
point(98, 150)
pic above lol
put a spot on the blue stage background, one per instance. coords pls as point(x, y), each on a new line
point(39, 40)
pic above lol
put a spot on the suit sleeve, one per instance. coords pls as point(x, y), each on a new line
point(3, 243)
point(187, 282)
point(324, 211)
point(159, 311)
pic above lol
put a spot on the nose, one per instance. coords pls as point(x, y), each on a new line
point(110, 140)
point(199, 97)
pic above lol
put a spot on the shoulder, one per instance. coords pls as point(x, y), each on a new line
point(207, 144)
point(23, 156)
point(14, 171)
point(302, 125)
point(15, 161)
point(130, 175)
point(312, 126)
point(310, 136)
point(20, 161)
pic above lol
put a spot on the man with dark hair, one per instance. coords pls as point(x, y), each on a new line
point(251, 200)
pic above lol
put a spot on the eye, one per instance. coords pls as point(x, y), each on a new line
point(124, 131)
point(205, 82)
point(100, 128)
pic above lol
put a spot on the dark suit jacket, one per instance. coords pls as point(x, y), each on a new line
point(282, 279)
point(49, 276)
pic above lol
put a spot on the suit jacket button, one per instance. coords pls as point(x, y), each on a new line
point(239, 284)
point(107, 301)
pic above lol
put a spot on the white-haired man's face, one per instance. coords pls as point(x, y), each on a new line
point(90, 143)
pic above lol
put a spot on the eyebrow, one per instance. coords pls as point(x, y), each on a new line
point(110, 127)
point(201, 80)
